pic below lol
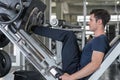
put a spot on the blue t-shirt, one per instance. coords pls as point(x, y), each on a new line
point(99, 43)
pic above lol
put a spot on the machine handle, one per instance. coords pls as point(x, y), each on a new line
point(56, 72)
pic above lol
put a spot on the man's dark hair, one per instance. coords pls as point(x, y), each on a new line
point(101, 14)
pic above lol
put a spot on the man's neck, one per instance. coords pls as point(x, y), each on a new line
point(99, 32)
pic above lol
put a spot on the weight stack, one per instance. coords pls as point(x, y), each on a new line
point(27, 75)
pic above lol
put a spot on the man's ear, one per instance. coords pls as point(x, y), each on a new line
point(99, 21)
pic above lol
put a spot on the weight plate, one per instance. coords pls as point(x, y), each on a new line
point(3, 40)
point(5, 63)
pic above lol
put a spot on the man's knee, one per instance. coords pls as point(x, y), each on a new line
point(71, 34)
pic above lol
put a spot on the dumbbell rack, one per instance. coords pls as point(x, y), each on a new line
point(37, 53)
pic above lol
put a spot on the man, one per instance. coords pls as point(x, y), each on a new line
point(93, 52)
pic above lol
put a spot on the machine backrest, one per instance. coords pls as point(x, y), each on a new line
point(113, 44)
point(109, 58)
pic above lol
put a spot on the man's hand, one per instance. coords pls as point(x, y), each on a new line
point(66, 76)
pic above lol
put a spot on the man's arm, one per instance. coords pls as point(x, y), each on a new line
point(96, 60)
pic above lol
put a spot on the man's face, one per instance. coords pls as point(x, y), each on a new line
point(92, 23)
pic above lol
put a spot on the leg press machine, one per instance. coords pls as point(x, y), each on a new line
point(39, 55)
